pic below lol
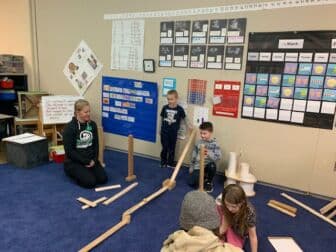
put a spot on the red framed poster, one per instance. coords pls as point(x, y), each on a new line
point(226, 98)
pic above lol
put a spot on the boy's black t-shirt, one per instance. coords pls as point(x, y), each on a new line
point(171, 118)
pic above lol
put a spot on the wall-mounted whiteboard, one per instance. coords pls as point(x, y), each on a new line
point(58, 109)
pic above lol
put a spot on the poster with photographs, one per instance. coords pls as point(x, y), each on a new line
point(182, 32)
point(291, 78)
point(199, 32)
point(233, 57)
point(217, 31)
point(197, 56)
point(236, 31)
point(166, 55)
point(181, 55)
point(82, 68)
point(215, 57)
point(167, 32)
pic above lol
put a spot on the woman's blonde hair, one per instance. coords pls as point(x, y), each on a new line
point(80, 104)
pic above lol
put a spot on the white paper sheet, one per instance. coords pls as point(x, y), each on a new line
point(248, 111)
point(328, 107)
point(284, 244)
point(58, 108)
point(286, 104)
point(297, 117)
point(284, 115)
point(23, 138)
point(201, 114)
point(259, 113)
point(313, 106)
point(271, 114)
point(299, 105)
point(127, 44)
point(82, 68)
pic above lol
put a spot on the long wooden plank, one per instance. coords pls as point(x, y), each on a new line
point(328, 207)
point(184, 153)
point(146, 200)
point(101, 145)
point(119, 194)
point(282, 210)
point(105, 188)
point(130, 176)
point(104, 236)
point(284, 206)
point(309, 209)
point(201, 174)
point(96, 201)
point(87, 202)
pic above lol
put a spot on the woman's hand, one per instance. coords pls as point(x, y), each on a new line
point(92, 163)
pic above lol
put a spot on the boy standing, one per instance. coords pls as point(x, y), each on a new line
point(212, 155)
point(171, 116)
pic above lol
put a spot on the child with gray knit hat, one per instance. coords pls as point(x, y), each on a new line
point(198, 219)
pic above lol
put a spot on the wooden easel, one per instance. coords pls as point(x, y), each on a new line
point(49, 130)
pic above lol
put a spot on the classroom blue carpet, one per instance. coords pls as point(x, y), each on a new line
point(39, 211)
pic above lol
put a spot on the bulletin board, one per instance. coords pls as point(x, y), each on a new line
point(129, 107)
point(291, 78)
point(211, 44)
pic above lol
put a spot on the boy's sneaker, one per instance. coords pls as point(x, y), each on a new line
point(208, 187)
point(163, 165)
point(170, 166)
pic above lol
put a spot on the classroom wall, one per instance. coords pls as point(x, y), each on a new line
point(296, 157)
point(17, 34)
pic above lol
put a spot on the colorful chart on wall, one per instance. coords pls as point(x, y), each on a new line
point(291, 78)
point(226, 98)
point(196, 91)
point(129, 107)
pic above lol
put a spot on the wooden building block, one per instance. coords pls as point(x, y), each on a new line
point(87, 202)
point(282, 210)
point(332, 215)
point(328, 207)
point(96, 201)
point(201, 173)
point(284, 206)
point(309, 209)
point(120, 194)
point(130, 177)
point(105, 188)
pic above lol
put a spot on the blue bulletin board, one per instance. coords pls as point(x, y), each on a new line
point(129, 107)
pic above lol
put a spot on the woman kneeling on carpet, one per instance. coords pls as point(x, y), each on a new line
point(199, 221)
point(80, 139)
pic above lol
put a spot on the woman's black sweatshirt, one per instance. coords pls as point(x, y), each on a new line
point(80, 142)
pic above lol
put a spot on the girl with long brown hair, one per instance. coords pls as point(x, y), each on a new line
point(238, 218)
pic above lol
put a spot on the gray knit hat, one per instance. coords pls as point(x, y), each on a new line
point(199, 209)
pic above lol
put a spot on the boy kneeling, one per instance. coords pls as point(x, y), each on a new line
point(212, 155)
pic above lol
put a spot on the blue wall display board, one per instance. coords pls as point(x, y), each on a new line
point(130, 107)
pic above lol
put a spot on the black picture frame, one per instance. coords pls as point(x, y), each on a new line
point(149, 65)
